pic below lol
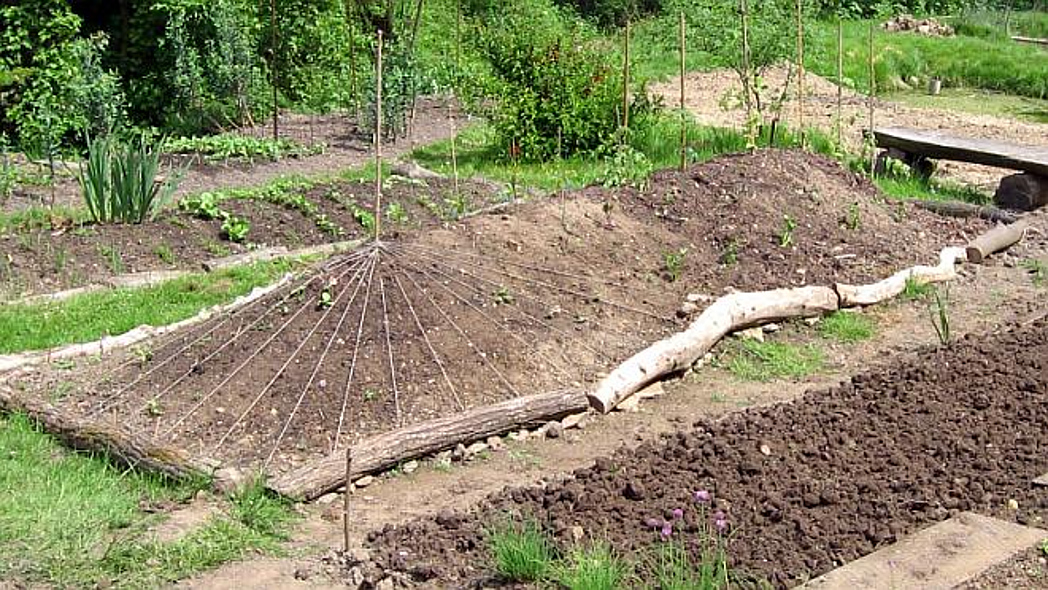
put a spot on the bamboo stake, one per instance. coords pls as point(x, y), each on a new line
point(273, 64)
point(840, 82)
point(454, 158)
point(683, 115)
point(458, 36)
point(626, 78)
point(800, 72)
point(345, 499)
point(873, 95)
point(746, 77)
point(378, 138)
point(353, 90)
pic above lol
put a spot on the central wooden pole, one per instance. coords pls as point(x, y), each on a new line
point(626, 78)
point(683, 113)
point(378, 137)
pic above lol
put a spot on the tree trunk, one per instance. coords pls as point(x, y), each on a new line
point(386, 450)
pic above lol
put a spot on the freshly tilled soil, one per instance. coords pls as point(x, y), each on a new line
point(805, 486)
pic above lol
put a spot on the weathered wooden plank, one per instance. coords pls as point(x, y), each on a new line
point(1032, 40)
point(939, 557)
point(989, 152)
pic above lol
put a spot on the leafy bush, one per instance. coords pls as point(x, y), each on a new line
point(557, 94)
point(235, 228)
point(119, 182)
point(203, 205)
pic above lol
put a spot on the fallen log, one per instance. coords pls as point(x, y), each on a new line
point(1031, 40)
point(727, 314)
point(995, 240)
point(386, 450)
point(112, 439)
point(966, 210)
point(857, 295)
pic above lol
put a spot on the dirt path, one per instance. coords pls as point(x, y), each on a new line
point(710, 96)
point(983, 299)
point(345, 148)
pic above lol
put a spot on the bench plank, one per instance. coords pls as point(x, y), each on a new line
point(989, 152)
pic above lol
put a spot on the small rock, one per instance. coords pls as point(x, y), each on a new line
point(229, 480)
point(699, 298)
point(355, 577)
point(687, 308)
point(635, 491)
point(573, 420)
point(630, 404)
point(495, 443)
point(443, 457)
point(771, 328)
point(554, 430)
point(577, 534)
point(385, 584)
point(327, 499)
point(476, 449)
point(459, 454)
point(301, 574)
point(409, 467)
point(364, 481)
point(812, 321)
point(751, 334)
point(653, 390)
point(765, 450)
point(1013, 504)
point(519, 436)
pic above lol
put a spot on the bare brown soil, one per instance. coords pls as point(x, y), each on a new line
point(548, 295)
point(805, 486)
point(44, 260)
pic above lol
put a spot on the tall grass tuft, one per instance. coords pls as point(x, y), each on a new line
point(119, 182)
point(592, 568)
point(522, 551)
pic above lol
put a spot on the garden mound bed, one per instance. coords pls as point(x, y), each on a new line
point(546, 296)
point(805, 486)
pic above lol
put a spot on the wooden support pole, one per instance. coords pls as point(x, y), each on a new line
point(626, 77)
point(747, 75)
point(683, 112)
point(840, 84)
point(378, 137)
point(273, 65)
point(386, 450)
point(871, 98)
point(800, 72)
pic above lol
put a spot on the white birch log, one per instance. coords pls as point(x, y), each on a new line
point(727, 314)
point(857, 295)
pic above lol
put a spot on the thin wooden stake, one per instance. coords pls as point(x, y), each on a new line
point(345, 499)
point(873, 95)
point(378, 138)
point(840, 82)
point(454, 158)
point(626, 78)
point(458, 36)
point(273, 65)
point(746, 75)
point(683, 115)
point(800, 72)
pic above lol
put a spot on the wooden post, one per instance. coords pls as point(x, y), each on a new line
point(626, 78)
point(454, 158)
point(378, 137)
point(840, 83)
point(273, 65)
point(872, 97)
point(683, 113)
point(800, 72)
point(747, 78)
point(345, 499)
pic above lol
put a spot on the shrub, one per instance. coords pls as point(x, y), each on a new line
point(119, 182)
point(556, 93)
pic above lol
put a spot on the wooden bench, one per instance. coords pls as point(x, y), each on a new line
point(1025, 191)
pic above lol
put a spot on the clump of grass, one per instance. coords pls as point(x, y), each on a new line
point(764, 361)
point(914, 290)
point(522, 552)
point(261, 511)
point(1038, 271)
point(846, 327)
point(591, 568)
point(939, 313)
point(673, 264)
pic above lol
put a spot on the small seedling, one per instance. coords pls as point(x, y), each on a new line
point(235, 229)
point(325, 300)
point(370, 395)
point(786, 235)
point(939, 312)
point(61, 256)
point(673, 264)
point(853, 219)
point(730, 255)
point(327, 226)
point(914, 290)
point(1038, 271)
point(164, 253)
point(204, 206)
point(457, 206)
point(113, 258)
point(153, 408)
point(396, 213)
point(143, 354)
point(502, 296)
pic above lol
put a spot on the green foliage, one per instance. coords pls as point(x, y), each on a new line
point(789, 224)
point(227, 146)
point(673, 264)
point(591, 568)
point(609, 13)
point(260, 510)
point(522, 552)
point(846, 327)
point(202, 205)
point(672, 567)
point(1038, 271)
point(764, 361)
point(939, 314)
point(119, 182)
point(626, 166)
point(557, 94)
point(913, 289)
point(235, 229)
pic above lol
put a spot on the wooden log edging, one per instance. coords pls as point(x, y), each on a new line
point(386, 450)
point(860, 295)
point(113, 439)
point(995, 240)
point(11, 362)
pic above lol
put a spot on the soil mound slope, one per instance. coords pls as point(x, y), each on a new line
point(804, 486)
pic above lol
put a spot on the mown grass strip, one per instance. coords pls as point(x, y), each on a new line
point(75, 520)
point(88, 317)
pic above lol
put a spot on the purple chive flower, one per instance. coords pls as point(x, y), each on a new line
point(667, 530)
point(653, 523)
point(678, 514)
point(721, 525)
point(719, 515)
point(702, 496)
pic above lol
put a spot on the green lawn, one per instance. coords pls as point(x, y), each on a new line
point(72, 520)
point(90, 316)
